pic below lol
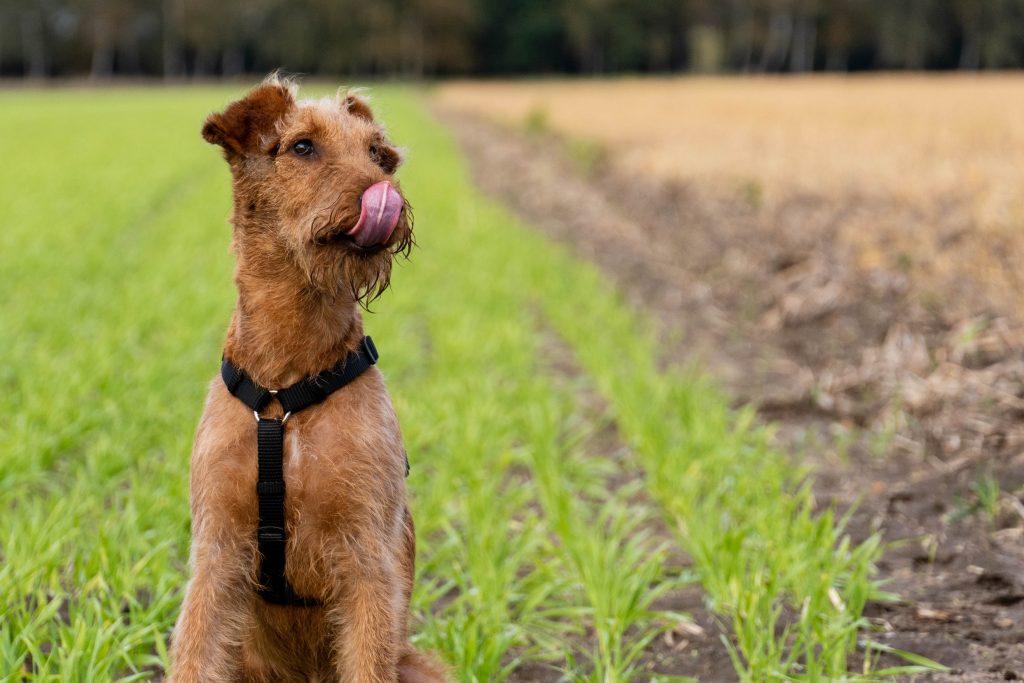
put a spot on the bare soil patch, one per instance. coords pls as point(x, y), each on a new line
point(907, 402)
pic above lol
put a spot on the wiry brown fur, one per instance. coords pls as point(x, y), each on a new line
point(350, 535)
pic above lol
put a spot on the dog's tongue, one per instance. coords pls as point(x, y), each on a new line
point(378, 215)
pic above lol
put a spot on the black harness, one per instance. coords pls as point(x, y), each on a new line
point(271, 536)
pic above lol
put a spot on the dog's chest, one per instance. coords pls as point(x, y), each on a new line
point(321, 459)
point(294, 452)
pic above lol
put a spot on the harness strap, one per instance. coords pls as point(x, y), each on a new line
point(312, 390)
point(271, 535)
point(307, 391)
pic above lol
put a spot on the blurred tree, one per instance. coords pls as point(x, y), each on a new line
point(109, 27)
point(971, 17)
point(437, 36)
point(780, 34)
point(992, 33)
point(586, 22)
point(519, 36)
point(32, 18)
point(422, 38)
point(707, 50)
point(841, 28)
point(172, 17)
point(805, 35)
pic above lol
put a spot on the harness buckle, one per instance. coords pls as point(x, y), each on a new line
point(271, 534)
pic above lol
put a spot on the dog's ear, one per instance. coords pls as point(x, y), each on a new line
point(357, 106)
point(244, 125)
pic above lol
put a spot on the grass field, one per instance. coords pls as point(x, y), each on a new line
point(919, 163)
point(536, 546)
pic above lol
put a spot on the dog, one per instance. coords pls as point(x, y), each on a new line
point(317, 220)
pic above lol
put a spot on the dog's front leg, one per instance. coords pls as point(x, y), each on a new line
point(366, 610)
point(216, 614)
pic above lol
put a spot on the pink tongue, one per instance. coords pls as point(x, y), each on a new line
point(378, 215)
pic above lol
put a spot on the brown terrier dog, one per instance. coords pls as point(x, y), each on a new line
point(317, 220)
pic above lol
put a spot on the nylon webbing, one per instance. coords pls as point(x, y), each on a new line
point(271, 536)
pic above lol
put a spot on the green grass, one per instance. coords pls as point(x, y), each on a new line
point(115, 292)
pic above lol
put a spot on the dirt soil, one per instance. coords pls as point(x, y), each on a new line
point(906, 403)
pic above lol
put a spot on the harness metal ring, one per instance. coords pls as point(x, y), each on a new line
point(273, 392)
point(283, 419)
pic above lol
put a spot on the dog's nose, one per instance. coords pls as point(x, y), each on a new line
point(381, 206)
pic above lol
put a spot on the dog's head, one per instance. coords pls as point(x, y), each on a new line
point(315, 179)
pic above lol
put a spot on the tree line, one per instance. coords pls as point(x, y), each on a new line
point(427, 38)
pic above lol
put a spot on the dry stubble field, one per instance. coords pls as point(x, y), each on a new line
point(930, 161)
point(845, 254)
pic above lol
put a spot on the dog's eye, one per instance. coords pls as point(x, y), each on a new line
point(385, 157)
point(303, 148)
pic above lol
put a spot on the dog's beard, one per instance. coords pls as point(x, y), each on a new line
point(366, 276)
point(332, 223)
point(337, 266)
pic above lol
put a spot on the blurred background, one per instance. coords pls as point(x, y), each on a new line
point(426, 38)
point(678, 255)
